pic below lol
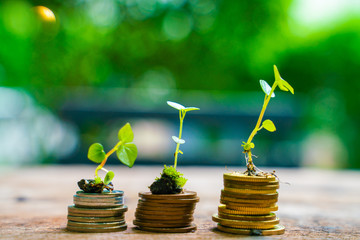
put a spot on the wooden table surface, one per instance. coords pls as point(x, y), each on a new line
point(316, 204)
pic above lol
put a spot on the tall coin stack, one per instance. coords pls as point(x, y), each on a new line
point(97, 212)
point(247, 205)
point(170, 213)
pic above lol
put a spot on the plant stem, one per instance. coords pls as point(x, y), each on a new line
point(181, 116)
point(106, 157)
point(257, 126)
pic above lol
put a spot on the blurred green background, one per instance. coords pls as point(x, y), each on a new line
point(75, 78)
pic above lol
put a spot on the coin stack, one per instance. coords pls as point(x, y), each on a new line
point(97, 212)
point(170, 213)
point(247, 205)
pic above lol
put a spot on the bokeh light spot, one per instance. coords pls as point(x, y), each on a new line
point(18, 19)
point(45, 14)
point(203, 7)
point(173, 3)
point(177, 25)
point(147, 8)
point(104, 13)
point(156, 84)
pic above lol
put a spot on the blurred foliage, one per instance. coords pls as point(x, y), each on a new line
point(184, 44)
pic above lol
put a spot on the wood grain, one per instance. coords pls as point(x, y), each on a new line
point(316, 204)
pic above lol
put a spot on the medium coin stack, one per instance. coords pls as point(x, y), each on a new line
point(247, 205)
point(97, 212)
point(170, 213)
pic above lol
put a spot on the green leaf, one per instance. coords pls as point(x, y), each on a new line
point(175, 105)
point(269, 125)
point(96, 153)
point(287, 86)
point(283, 85)
point(177, 140)
point(248, 146)
point(191, 109)
point(126, 134)
point(277, 76)
point(109, 177)
point(127, 154)
point(266, 88)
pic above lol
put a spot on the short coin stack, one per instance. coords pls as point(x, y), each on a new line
point(97, 212)
point(247, 205)
point(171, 213)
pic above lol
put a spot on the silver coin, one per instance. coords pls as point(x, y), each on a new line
point(97, 230)
point(95, 225)
point(97, 204)
point(104, 194)
point(96, 212)
point(96, 219)
point(98, 199)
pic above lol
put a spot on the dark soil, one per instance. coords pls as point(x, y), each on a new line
point(89, 186)
point(165, 185)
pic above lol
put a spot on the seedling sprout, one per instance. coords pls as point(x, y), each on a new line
point(182, 112)
point(125, 149)
point(266, 124)
point(171, 180)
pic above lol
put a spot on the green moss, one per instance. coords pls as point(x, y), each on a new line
point(170, 182)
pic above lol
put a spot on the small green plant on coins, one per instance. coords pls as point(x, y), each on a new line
point(126, 151)
point(266, 124)
point(172, 181)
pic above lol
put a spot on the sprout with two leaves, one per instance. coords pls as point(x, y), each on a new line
point(266, 124)
point(126, 151)
point(172, 181)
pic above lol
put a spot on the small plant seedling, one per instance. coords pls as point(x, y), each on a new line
point(182, 112)
point(266, 124)
point(126, 151)
point(172, 181)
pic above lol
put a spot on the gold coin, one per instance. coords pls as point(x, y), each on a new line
point(190, 228)
point(248, 201)
point(251, 185)
point(185, 195)
point(149, 203)
point(270, 196)
point(166, 208)
point(245, 178)
point(248, 191)
point(160, 225)
point(276, 230)
point(165, 221)
point(233, 205)
point(164, 217)
point(245, 211)
point(252, 209)
point(157, 213)
point(245, 224)
point(174, 201)
point(267, 217)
